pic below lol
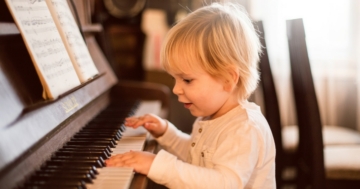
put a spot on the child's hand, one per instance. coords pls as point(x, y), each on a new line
point(154, 124)
point(140, 161)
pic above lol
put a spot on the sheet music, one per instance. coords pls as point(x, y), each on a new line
point(45, 46)
point(72, 39)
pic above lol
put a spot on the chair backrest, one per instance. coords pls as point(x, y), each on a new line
point(311, 171)
point(271, 105)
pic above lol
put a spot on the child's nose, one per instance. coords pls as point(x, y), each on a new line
point(177, 90)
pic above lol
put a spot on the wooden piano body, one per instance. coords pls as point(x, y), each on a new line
point(32, 129)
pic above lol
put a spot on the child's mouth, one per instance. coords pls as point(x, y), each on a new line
point(187, 105)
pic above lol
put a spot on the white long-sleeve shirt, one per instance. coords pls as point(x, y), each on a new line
point(235, 150)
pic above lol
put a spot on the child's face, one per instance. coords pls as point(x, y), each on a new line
point(202, 94)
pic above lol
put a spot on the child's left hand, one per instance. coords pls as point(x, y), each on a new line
point(140, 161)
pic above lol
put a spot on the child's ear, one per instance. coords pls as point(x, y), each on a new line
point(231, 82)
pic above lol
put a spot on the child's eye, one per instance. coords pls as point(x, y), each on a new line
point(187, 80)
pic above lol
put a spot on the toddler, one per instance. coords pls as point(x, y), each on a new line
point(212, 54)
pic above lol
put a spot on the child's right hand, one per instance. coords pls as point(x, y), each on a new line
point(154, 124)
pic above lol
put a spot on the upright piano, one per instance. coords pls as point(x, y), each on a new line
point(63, 143)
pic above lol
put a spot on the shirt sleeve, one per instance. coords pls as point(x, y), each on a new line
point(175, 141)
point(167, 170)
point(234, 162)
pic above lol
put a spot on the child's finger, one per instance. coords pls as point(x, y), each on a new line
point(134, 122)
point(138, 121)
point(131, 120)
point(150, 126)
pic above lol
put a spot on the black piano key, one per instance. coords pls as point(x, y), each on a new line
point(43, 177)
point(103, 147)
point(99, 132)
point(82, 154)
point(105, 126)
point(82, 149)
point(63, 175)
point(69, 167)
point(75, 162)
point(115, 110)
point(67, 171)
point(90, 143)
point(106, 120)
point(86, 152)
point(56, 180)
point(102, 131)
point(47, 186)
point(103, 140)
point(109, 132)
point(112, 144)
point(96, 135)
point(106, 123)
point(60, 183)
point(110, 117)
point(72, 165)
point(97, 159)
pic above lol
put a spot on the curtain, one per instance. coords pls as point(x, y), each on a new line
point(333, 40)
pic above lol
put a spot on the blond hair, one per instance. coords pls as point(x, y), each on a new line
point(217, 37)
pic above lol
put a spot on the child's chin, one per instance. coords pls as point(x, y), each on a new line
point(197, 114)
point(194, 114)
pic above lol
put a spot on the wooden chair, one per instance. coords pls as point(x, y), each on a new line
point(310, 154)
point(315, 165)
point(271, 105)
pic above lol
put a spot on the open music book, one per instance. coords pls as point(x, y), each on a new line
point(55, 44)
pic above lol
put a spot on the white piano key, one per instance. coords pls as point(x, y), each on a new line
point(132, 139)
point(129, 143)
point(112, 177)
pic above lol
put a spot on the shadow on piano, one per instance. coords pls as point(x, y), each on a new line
point(57, 137)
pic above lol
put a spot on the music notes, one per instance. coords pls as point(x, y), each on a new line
point(66, 19)
point(44, 42)
point(45, 46)
point(40, 30)
point(36, 21)
point(72, 39)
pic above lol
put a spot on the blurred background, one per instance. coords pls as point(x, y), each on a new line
point(318, 149)
point(134, 31)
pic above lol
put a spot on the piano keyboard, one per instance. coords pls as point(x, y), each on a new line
point(80, 164)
